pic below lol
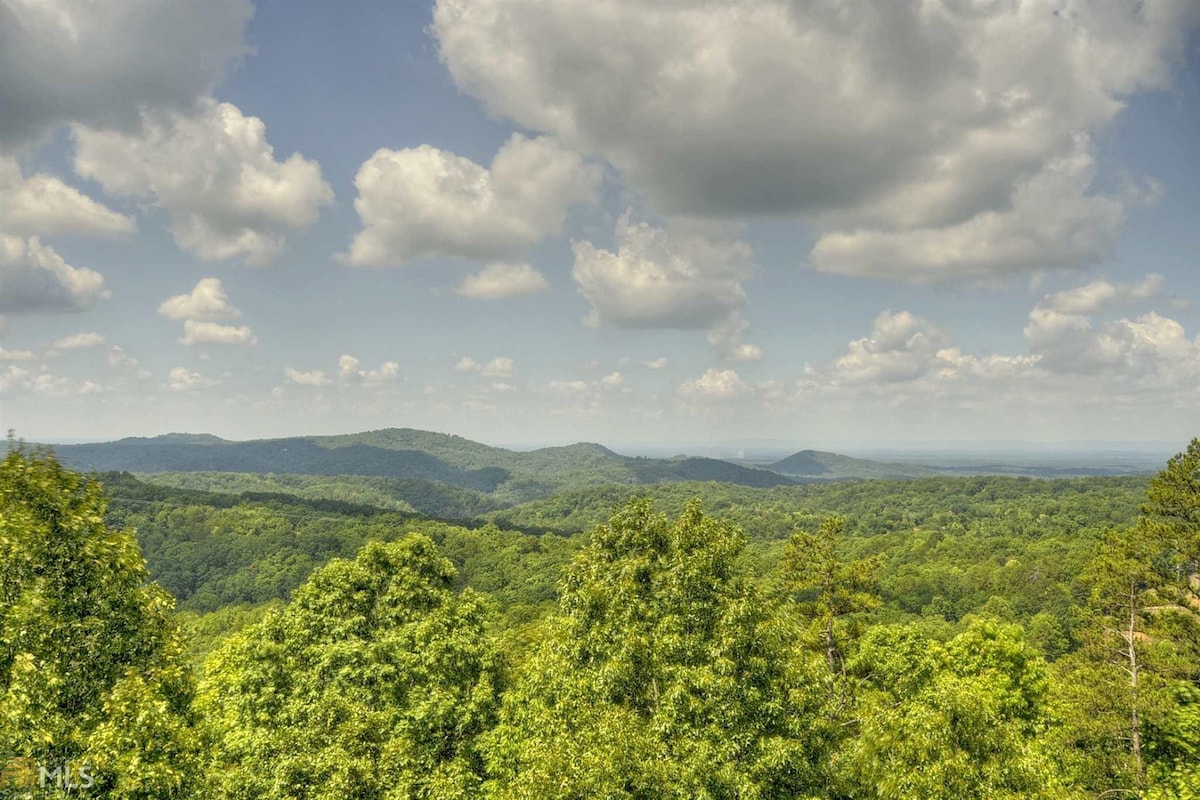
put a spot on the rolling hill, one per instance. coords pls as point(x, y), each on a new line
point(422, 462)
point(828, 466)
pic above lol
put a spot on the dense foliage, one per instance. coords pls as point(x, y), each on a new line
point(92, 676)
point(934, 638)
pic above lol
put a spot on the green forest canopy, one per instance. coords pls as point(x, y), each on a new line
point(933, 638)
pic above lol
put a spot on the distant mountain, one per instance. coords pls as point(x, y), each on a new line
point(831, 466)
point(175, 438)
point(506, 476)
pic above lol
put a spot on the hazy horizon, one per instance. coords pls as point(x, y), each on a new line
point(1140, 455)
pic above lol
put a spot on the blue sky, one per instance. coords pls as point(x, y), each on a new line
point(550, 221)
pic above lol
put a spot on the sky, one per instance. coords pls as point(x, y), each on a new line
point(545, 221)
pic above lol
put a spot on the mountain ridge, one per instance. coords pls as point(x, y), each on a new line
point(410, 454)
point(822, 464)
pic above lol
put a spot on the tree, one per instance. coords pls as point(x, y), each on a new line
point(830, 590)
point(92, 675)
point(664, 674)
point(374, 682)
point(1124, 694)
point(1172, 514)
point(953, 721)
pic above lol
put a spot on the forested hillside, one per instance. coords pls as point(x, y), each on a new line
point(940, 637)
point(406, 455)
point(818, 464)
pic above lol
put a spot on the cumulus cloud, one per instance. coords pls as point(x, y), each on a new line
point(901, 347)
point(182, 379)
point(311, 377)
point(657, 278)
point(17, 379)
point(119, 359)
point(1072, 357)
point(42, 205)
point(212, 169)
point(908, 356)
point(1101, 295)
point(586, 398)
point(207, 302)
point(350, 371)
point(100, 64)
point(656, 364)
point(498, 367)
point(715, 384)
point(15, 355)
point(613, 380)
point(33, 278)
point(422, 201)
point(467, 364)
point(79, 341)
point(498, 280)
point(200, 309)
point(1062, 333)
point(195, 332)
point(1051, 222)
point(952, 122)
point(567, 387)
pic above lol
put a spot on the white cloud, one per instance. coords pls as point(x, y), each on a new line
point(15, 355)
point(1073, 362)
point(613, 380)
point(120, 360)
point(207, 302)
point(213, 171)
point(102, 63)
point(423, 202)
point(33, 277)
point(1062, 333)
point(726, 337)
point(42, 205)
point(567, 387)
point(215, 333)
point(48, 384)
point(182, 379)
point(498, 281)
point(1101, 295)
point(12, 378)
point(745, 352)
point(872, 119)
point(200, 309)
point(715, 384)
point(467, 364)
point(588, 399)
point(498, 367)
point(1051, 222)
point(79, 341)
point(690, 278)
point(658, 363)
point(17, 380)
point(311, 377)
point(350, 371)
point(901, 347)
